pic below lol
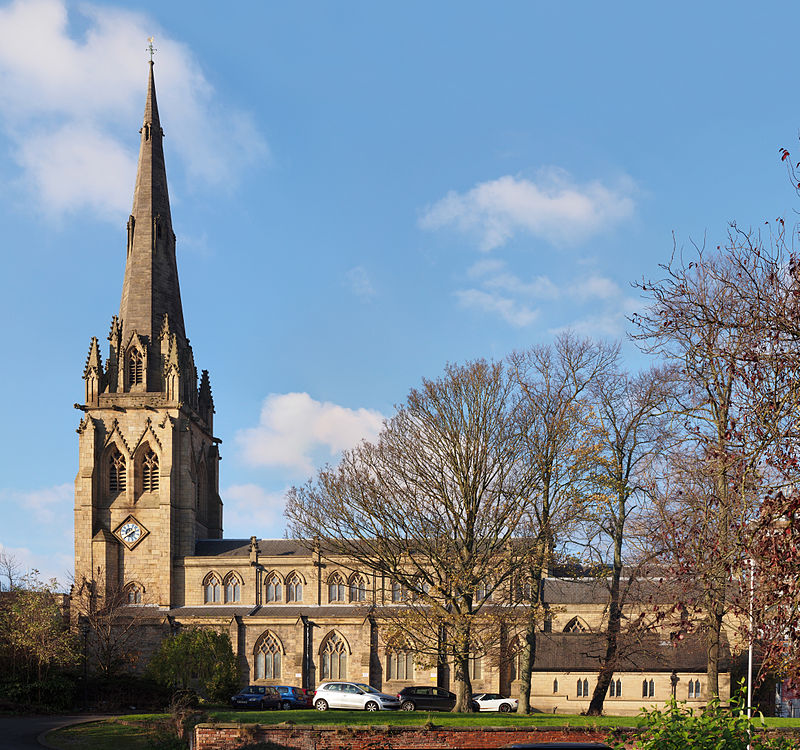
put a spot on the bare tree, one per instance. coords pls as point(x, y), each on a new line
point(716, 316)
point(635, 415)
point(10, 569)
point(561, 440)
point(112, 621)
point(432, 505)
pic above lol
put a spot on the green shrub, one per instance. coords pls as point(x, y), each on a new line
point(717, 727)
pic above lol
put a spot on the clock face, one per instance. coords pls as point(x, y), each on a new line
point(130, 532)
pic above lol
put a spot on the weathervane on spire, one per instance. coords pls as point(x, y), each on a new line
point(150, 48)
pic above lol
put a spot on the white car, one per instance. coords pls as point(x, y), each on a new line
point(353, 695)
point(493, 702)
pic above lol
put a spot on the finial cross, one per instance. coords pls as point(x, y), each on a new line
point(150, 48)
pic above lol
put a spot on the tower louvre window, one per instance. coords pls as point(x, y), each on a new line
point(135, 367)
point(150, 472)
point(116, 472)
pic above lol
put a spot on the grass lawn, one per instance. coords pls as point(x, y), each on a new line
point(137, 731)
point(122, 733)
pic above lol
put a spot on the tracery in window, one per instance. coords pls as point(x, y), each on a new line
point(233, 588)
point(117, 476)
point(576, 625)
point(135, 367)
point(212, 589)
point(336, 588)
point(274, 588)
point(358, 588)
point(294, 588)
point(397, 593)
point(268, 657)
point(333, 658)
point(483, 591)
point(134, 593)
point(150, 472)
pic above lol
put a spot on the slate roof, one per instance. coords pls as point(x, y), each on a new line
point(580, 652)
point(241, 548)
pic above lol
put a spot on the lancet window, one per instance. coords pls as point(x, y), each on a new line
point(294, 588)
point(135, 367)
point(336, 588)
point(333, 658)
point(268, 657)
point(274, 588)
point(358, 588)
point(117, 476)
point(233, 588)
point(212, 589)
point(150, 472)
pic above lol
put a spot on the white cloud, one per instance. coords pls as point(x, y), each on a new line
point(359, 282)
point(552, 207)
point(519, 301)
point(252, 510)
point(46, 505)
point(71, 106)
point(294, 427)
point(507, 308)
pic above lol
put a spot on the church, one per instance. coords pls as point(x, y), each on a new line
point(148, 522)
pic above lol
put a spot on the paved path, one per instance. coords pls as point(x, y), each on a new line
point(23, 732)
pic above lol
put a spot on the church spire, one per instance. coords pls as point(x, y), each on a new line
point(150, 289)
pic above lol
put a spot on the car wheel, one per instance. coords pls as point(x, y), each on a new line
point(372, 706)
point(321, 705)
point(285, 705)
point(409, 706)
point(505, 708)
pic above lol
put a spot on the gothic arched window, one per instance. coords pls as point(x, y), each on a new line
point(333, 658)
point(576, 625)
point(134, 592)
point(233, 588)
point(294, 588)
point(117, 476)
point(268, 657)
point(274, 588)
point(615, 689)
point(336, 588)
point(211, 588)
point(399, 663)
point(358, 588)
point(135, 367)
point(150, 472)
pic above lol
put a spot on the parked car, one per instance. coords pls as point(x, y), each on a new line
point(353, 695)
point(493, 702)
point(293, 697)
point(257, 696)
point(426, 699)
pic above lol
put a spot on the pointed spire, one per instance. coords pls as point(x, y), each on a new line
point(150, 289)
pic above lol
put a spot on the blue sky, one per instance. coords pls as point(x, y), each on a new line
point(362, 192)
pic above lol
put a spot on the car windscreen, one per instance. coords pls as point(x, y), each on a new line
point(368, 689)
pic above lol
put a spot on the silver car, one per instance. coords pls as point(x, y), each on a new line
point(354, 695)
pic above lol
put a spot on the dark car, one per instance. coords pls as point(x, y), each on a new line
point(257, 696)
point(426, 699)
point(293, 697)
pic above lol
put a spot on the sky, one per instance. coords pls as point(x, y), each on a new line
point(362, 192)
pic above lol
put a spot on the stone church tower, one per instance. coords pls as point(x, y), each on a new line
point(147, 485)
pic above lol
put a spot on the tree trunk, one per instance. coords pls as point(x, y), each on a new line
point(614, 617)
point(462, 686)
point(529, 649)
point(713, 645)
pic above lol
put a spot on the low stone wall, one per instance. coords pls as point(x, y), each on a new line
point(234, 736)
